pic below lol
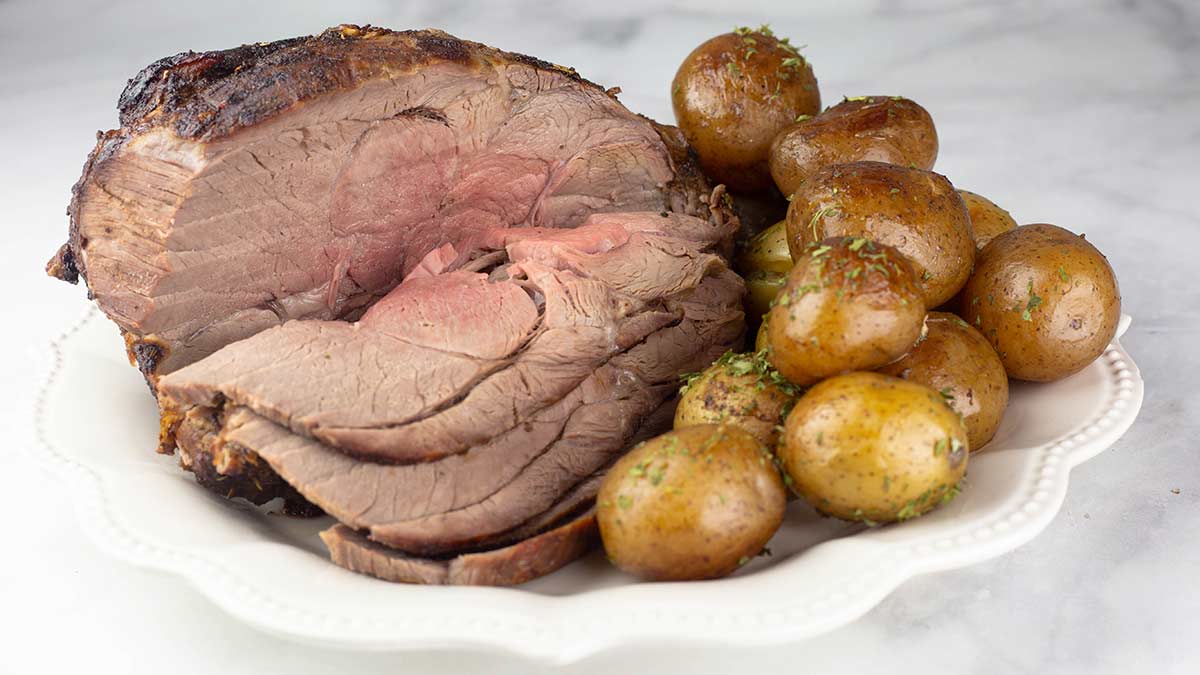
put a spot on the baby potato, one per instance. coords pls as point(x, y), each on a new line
point(849, 304)
point(959, 363)
point(918, 212)
point(1045, 298)
point(764, 262)
point(873, 448)
point(987, 219)
point(694, 503)
point(740, 389)
point(732, 94)
point(890, 129)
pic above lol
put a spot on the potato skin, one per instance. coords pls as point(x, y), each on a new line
point(890, 129)
point(918, 212)
point(739, 389)
point(956, 360)
point(733, 94)
point(987, 219)
point(694, 503)
point(1045, 298)
point(849, 304)
point(764, 262)
point(873, 448)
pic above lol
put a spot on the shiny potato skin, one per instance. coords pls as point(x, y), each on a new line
point(918, 212)
point(849, 304)
point(694, 503)
point(987, 219)
point(739, 389)
point(956, 360)
point(764, 263)
point(874, 448)
point(732, 94)
point(890, 129)
point(1045, 298)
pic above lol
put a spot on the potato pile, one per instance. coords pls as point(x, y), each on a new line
point(891, 309)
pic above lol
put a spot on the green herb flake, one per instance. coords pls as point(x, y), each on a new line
point(940, 447)
point(820, 251)
point(926, 275)
point(624, 502)
point(858, 243)
point(801, 118)
point(894, 191)
point(855, 98)
point(1062, 274)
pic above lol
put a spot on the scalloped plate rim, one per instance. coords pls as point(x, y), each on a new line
point(533, 638)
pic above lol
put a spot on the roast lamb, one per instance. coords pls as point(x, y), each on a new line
point(428, 287)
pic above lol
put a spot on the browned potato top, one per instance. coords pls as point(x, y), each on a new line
point(957, 361)
point(1045, 298)
point(732, 94)
point(890, 129)
point(987, 219)
point(694, 503)
point(740, 389)
point(918, 212)
point(873, 448)
point(849, 304)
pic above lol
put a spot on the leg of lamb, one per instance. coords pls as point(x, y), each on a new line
point(431, 287)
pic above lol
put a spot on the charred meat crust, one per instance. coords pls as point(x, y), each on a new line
point(229, 469)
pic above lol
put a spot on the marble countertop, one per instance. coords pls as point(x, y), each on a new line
point(1084, 114)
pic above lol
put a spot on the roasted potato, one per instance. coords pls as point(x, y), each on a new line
point(741, 389)
point(732, 94)
point(918, 212)
point(849, 304)
point(764, 262)
point(1045, 298)
point(873, 448)
point(959, 363)
point(987, 219)
point(694, 503)
point(889, 129)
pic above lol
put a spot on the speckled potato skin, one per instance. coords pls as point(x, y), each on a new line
point(694, 503)
point(918, 212)
point(1045, 298)
point(987, 219)
point(745, 401)
point(874, 448)
point(732, 94)
point(956, 360)
point(889, 129)
point(844, 309)
point(764, 262)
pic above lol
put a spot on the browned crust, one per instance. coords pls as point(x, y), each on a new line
point(227, 468)
point(515, 564)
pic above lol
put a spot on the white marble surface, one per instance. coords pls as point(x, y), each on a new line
point(1083, 114)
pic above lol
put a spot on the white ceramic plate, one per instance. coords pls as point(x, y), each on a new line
point(97, 426)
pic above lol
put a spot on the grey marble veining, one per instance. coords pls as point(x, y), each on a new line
point(1084, 114)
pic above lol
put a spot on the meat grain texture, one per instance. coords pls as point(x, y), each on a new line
point(431, 288)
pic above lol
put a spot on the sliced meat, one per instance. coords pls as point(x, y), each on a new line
point(425, 395)
point(305, 178)
point(514, 564)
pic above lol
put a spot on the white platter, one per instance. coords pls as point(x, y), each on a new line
point(97, 426)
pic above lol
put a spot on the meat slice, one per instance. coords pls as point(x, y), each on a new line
point(425, 396)
point(531, 441)
point(507, 566)
point(305, 178)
